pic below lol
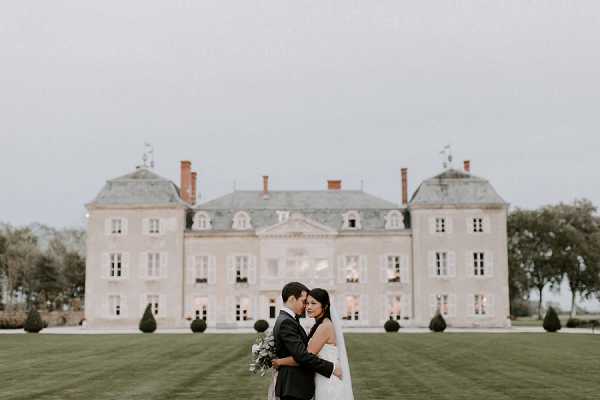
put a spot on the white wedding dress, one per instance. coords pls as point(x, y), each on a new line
point(329, 388)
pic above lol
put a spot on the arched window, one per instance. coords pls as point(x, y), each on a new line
point(202, 221)
point(241, 221)
point(394, 220)
point(352, 220)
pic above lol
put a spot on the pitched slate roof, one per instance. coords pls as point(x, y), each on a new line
point(326, 207)
point(453, 187)
point(141, 186)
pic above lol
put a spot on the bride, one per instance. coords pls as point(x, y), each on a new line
point(327, 341)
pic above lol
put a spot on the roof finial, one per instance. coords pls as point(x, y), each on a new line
point(148, 155)
point(447, 156)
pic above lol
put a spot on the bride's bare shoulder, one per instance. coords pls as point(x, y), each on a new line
point(327, 329)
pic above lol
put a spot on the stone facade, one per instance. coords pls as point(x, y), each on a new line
point(226, 260)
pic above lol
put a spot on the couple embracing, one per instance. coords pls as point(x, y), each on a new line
point(313, 366)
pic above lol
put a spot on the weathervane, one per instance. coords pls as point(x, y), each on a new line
point(446, 156)
point(148, 155)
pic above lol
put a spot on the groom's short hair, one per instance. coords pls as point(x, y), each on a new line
point(293, 289)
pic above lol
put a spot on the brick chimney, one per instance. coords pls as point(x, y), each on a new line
point(467, 164)
point(265, 192)
point(194, 193)
point(404, 173)
point(186, 181)
point(334, 184)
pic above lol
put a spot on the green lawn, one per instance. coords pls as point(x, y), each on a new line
point(384, 366)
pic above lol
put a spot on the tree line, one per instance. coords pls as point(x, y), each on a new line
point(45, 267)
point(41, 266)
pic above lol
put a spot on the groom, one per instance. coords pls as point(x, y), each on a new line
point(297, 383)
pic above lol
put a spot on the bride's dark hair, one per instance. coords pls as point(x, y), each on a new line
point(322, 297)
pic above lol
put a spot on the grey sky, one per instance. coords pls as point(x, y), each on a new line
point(302, 91)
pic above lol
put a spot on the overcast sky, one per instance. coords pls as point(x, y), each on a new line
point(301, 91)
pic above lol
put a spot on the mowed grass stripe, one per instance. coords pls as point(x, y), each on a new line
point(384, 366)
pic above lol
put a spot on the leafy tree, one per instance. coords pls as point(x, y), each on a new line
point(47, 279)
point(19, 259)
point(74, 274)
point(577, 247)
point(530, 253)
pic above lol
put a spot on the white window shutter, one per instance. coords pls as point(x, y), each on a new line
point(211, 315)
point(106, 307)
point(431, 263)
point(143, 303)
point(124, 226)
point(230, 270)
point(449, 225)
point(490, 305)
point(230, 309)
point(252, 270)
point(452, 305)
point(105, 266)
point(404, 273)
point(125, 261)
point(383, 274)
point(405, 306)
point(142, 265)
point(385, 308)
point(364, 269)
point(452, 263)
point(487, 224)
point(470, 305)
point(107, 229)
point(489, 264)
point(162, 305)
point(190, 269)
point(124, 306)
point(164, 265)
point(432, 225)
point(212, 270)
point(341, 269)
point(433, 304)
point(469, 264)
point(364, 308)
point(145, 226)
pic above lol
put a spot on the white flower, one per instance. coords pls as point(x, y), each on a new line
point(255, 348)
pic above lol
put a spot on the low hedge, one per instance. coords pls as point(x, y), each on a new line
point(391, 326)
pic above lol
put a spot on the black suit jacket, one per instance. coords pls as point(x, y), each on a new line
point(291, 340)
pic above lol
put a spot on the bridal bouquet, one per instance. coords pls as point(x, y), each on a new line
point(263, 351)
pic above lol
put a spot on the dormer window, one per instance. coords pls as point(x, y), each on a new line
point(202, 221)
point(283, 216)
point(241, 221)
point(394, 220)
point(352, 220)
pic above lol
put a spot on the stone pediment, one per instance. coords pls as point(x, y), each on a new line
point(297, 226)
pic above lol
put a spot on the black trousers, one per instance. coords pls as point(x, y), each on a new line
point(289, 398)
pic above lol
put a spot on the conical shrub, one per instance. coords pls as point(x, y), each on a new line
point(33, 323)
point(437, 323)
point(148, 323)
point(551, 321)
point(198, 325)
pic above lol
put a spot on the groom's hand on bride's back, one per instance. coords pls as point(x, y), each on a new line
point(337, 372)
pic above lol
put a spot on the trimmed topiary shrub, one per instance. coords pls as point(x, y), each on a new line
point(261, 326)
point(391, 326)
point(574, 322)
point(148, 323)
point(438, 323)
point(551, 321)
point(198, 325)
point(33, 323)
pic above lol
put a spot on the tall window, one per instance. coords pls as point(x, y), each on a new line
point(153, 265)
point(114, 302)
point(352, 269)
point(154, 226)
point(441, 263)
point(272, 308)
point(480, 304)
point(440, 224)
point(201, 308)
point(201, 269)
point(352, 312)
point(153, 300)
point(241, 269)
point(116, 265)
point(395, 307)
point(116, 226)
point(477, 225)
point(393, 268)
point(242, 309)
point(478, 264)
point(442, 304)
